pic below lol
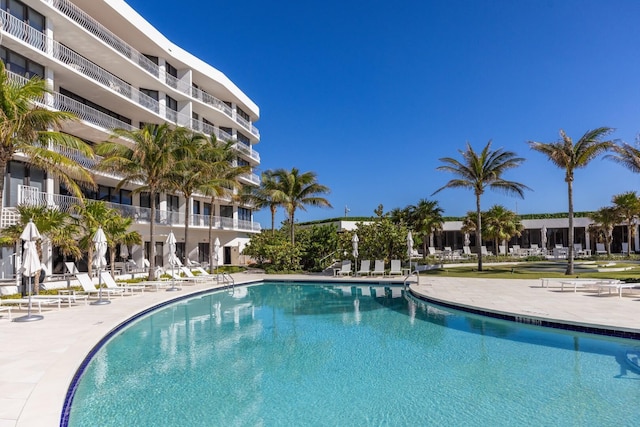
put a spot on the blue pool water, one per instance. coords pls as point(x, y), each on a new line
point(306, 355)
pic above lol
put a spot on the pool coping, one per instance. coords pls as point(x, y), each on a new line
point(44, 403)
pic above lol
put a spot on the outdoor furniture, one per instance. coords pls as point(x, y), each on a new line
point(110, 283)
point(378, 268)
point(600, 250)
point(39, 302)
point(89, 288)
point(345, 269)
point(7, 309)
point(466, 251)
point(68, 296)
point(396, 267)
point(365, 268)
point(484, 251)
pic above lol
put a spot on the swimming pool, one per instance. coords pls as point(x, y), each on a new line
point(299, 354)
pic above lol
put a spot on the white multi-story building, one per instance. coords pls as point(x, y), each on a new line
point(113, 69)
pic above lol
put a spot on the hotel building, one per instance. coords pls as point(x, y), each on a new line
point(110, 67)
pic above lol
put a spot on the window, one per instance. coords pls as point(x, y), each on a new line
point(173, 203)
point(24, 13)
point(93, 105)
point(195, 115)
point(196, 207)
point(207, 122)
point(206, 209)
point(171, 103)
point(242, 162)
point(244, 214)
point(245, 140)
point(150, 93)
point(152, 58)
point(20, 65)
point(242, 114)
point(171, 70)
point(145, 200)
point(125, 197)
point(226, 211)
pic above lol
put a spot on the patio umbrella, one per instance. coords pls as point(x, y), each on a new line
point(124, 251)
point(409, 247)
point(173, 259)
point(30, 265)
point(100, 261)
point(543, 236)
point(216, 249)
point(354, 243)
point(467, 240)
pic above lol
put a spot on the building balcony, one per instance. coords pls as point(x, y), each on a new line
point(99, 31)
point(31, 196)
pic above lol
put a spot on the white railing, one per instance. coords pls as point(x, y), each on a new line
point(104, 34)
point(9, 216)
point(88, 114)
point(32, 196)
point(251, 177)
point(21, 30)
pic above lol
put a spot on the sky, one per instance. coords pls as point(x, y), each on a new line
point(370, 94)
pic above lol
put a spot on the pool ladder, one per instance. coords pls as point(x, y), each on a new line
point(226, 278)
point(407, 277)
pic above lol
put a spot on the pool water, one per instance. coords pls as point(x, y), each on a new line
point(307, 355)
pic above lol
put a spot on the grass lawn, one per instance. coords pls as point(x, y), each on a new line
point(538, 270)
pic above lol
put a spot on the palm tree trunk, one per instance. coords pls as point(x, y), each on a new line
point(112, 259)
point(211, 235)
point(629, 237)
point(3, 168)
point(273, 218)
point(571, 231)
point(479, 232)
point(293, 237)
point(152, 243)
point(187, 220)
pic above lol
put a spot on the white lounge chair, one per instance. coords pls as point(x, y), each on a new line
point(110, 283)
point(600, 249)
point(71, 268)
point(188, 274)
point(365, 268)
point(466, 252)
point(378, 268)
point(502, 250)
point(396, 267)
point(484, 251)
point(345, 269)
point(625, 248)
point(89, 288)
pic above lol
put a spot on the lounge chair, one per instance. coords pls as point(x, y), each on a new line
point(578, 251)
point(535, 250)
point(600, 250)
point(434, 253)
point(89, 288)
point(365, 268)
point(502, 250)
point(466, 252)
point(378, 268)
point(625, 248)
point(485, 252)
point(71, 268)
point(396, 267)
point(188, 274)
point(110, 283)
point(345, 270)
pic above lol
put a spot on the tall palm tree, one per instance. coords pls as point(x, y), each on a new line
point(501, 224)
point(263, 196)
point(296, 190)
point(426, 219)
point(188, 173)
point(628, 205)
point(605, 219)
point(33, 131)
point(221, 178)
point(627, 155)
point(569, 156)
point(479, 171)
point(147, 164)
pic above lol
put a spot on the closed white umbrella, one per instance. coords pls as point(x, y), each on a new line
point(124, 251)
point(410, 249)
point(173, 259)
point(354, 244)
point(31, 264)
point(100, 261)
point(467, 239)
point(543, 236)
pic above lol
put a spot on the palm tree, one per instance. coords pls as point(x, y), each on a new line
point(32, 130)
point(426, 219)
point(478, 171)
point(569, 156)
point(221, 178)
point(296, 190)
point(147, 164)
point(263, 196)
point(89, 217)
point(501, 224)
point(54, 225)
point(628, 205)
point(626, 155)
point(189, 173)
point(605, 219)
point(116, 228)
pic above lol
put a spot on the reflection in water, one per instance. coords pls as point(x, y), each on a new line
point(285, 354)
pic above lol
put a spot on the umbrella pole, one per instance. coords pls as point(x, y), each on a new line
point(29, 317)
point(100, 301)
point(173, 279)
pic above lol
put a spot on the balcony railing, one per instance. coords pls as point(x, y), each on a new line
point(101, 32)
point(23, 31)
point(32, 196)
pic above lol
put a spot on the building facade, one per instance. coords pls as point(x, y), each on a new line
point(110, 67)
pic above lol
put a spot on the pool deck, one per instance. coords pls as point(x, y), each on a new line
point(39, 359)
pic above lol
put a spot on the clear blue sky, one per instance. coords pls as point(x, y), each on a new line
point(369, 94)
